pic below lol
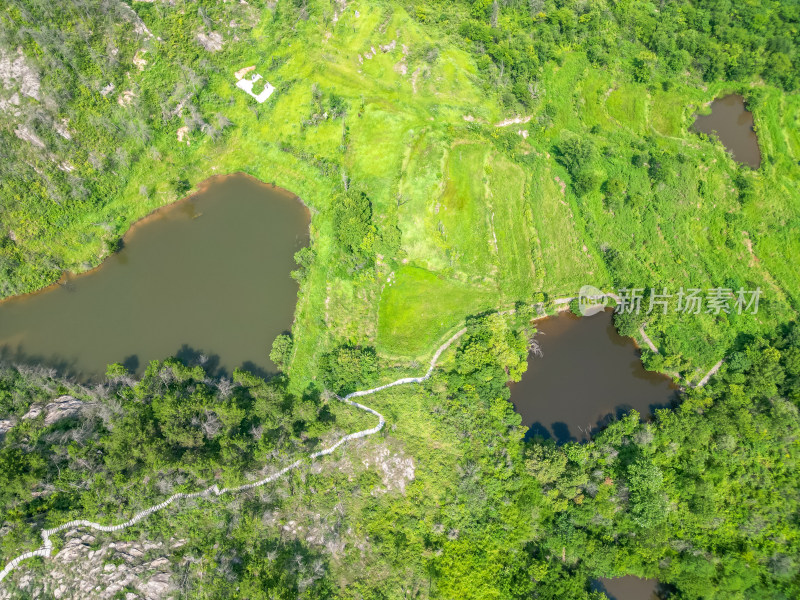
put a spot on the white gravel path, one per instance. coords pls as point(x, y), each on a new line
point(46, 549)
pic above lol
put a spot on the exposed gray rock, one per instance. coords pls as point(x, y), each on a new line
point(396, 470)
point(11, 104)
point(83, 569)
point(60, 408)
point(107, 90)
point(25, 134)
point(62, 129)
point(33, 412)
point(211, 42)
point(15, 71)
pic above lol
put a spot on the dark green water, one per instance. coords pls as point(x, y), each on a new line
point(207, 276)
point(732, 123)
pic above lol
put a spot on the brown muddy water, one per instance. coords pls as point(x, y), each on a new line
point(629, 588)
point(206, 279)
point(732, 123)
point(587, 376)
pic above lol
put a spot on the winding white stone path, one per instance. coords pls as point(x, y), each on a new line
point(46, 549)
point(710, 374)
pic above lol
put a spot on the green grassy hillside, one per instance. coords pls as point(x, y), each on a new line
point(492, 211)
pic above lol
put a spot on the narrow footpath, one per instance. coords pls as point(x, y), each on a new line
point(46, 549)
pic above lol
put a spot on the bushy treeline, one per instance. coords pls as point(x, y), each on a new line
point(702, 498)
point(176, 429)
point(357, 233)
point(720, 39)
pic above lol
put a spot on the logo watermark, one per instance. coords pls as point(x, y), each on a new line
point(691, 301)
point(592, 300)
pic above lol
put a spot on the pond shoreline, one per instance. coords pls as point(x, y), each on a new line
point(587, 375)
point(69, 276)
point(732, 125)
point(215, 289)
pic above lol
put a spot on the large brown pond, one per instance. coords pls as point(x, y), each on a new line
point(587, 375)
point(630, 588)
point(205, 279)
point(732, 123)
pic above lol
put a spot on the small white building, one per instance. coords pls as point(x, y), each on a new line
point(247, 86)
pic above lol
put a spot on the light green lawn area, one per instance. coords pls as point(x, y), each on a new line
point(594, 89)
point(419, 189)
point(463, 220)
point(420, 307)
point(791, 124)
point(457, 79)
point(376, 156)
point(566, 267)
point(477, 230)
point(628, 106)
point(770, 120)
point(562, 95)
point(667, 110)
point(510, 230)
point(775, 226)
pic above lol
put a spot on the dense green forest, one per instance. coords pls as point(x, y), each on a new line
point(460, 159)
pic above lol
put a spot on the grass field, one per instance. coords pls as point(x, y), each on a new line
point(487, 217)
point(627, 105)
point(410, 324)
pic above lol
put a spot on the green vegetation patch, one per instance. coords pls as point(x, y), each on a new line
point(418, 308)
point(463, 221)
point(628, 104)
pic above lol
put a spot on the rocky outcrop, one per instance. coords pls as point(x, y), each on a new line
point(87, 570)
point(395, 469)
point(60, 408)
point(212, 42)
point(15, 72)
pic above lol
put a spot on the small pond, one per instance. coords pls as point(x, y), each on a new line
point(629, 588)
point(732, 123)
point(207, 276)
point(587, 375)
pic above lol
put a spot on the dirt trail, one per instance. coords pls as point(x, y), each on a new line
point(647, 340)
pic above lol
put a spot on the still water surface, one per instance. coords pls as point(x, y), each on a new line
point(629, 588)
point(732, 123)
point(588, 375)
point(208, 275)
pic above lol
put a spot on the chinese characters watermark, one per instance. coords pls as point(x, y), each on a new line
point(688, 301)
point(692, 301)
